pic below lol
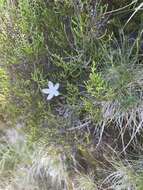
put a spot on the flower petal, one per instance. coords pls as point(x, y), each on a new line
point(45, 91)
point(50, 84)
point(56, 93)
point(50, 96)
point(56, 86)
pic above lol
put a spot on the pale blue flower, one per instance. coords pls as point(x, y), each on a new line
point(52, 90)
point(13, 136)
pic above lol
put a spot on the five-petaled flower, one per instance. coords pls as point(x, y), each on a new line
point(52, 90)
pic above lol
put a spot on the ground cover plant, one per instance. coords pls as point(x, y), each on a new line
point(71, 95)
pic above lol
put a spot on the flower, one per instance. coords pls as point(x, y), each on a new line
point(52, 90)
point(13, 136)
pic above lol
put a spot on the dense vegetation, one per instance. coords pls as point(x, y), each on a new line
point(86, 57)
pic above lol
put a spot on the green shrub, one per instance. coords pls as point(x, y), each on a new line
point(90, 51)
